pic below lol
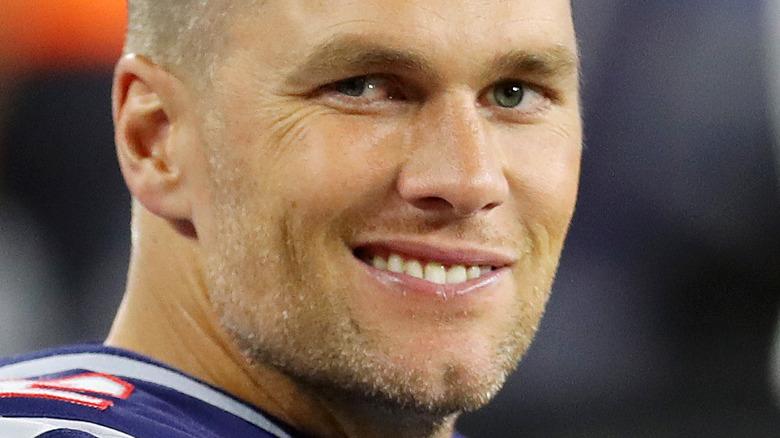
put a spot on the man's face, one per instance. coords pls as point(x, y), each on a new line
point(346, 140)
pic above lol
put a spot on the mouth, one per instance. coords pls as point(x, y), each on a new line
point(440, 267)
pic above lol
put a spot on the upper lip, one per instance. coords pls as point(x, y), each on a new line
point(448, 253)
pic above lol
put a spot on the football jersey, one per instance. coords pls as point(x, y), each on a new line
point(93, 391)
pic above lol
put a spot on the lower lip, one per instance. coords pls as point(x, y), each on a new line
point(406, 284)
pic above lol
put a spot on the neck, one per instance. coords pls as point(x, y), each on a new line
point(358, 417)
point(166, 314)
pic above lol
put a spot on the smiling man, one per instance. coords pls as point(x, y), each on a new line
point(347, 217)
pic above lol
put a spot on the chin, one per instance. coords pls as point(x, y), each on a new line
point(458, 390)
point(435, 389)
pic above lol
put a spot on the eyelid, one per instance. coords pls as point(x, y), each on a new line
point(542, 100)
point(395, 90)
point(399, 90)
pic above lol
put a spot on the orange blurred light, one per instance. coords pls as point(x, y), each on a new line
point(55, 33)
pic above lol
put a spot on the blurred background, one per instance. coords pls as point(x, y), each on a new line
point(664, 315)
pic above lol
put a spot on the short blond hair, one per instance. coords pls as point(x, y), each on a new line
point(182, 36)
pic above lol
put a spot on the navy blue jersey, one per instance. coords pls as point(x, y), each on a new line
point(92, 391)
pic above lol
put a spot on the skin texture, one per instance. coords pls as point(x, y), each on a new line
point(252, 198)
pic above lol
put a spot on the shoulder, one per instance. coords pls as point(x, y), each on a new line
point(95, 391)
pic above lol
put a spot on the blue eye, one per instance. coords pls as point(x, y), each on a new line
point(369, 88)
point(354, 87)
point(508, 94)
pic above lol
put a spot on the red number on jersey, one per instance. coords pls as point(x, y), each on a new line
point(71, 389)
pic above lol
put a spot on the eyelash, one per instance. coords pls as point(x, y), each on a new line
point(532, 96)
point(394, 92)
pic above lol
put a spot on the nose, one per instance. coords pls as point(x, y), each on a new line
point(453, 167)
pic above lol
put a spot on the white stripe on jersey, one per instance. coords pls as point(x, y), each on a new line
point(32, 427)
point(135, 369)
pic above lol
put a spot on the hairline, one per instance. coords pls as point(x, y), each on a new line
point(185, 37)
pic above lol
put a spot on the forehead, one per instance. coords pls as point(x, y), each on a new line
point(447, 31)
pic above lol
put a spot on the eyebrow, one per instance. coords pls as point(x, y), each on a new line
point(353, 54)
point(554, 61)
point(356, 55)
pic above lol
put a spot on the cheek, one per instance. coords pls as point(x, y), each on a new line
point(544, 175)
point(341, 161)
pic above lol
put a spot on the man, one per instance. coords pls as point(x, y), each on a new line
point(346, 214)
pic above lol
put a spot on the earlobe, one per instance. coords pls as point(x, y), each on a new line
point(148, 145)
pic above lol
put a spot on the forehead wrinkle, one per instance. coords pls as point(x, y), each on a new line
point(356, 54)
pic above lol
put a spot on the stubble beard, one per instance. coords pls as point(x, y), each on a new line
point(287, 323)
point(340, 364)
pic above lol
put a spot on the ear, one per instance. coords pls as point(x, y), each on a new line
point(148, 104)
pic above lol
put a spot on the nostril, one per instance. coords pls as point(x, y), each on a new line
point(436, 204)
point(432, 203)
point(491, 205)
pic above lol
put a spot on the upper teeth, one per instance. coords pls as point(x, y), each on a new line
point(433, 271)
